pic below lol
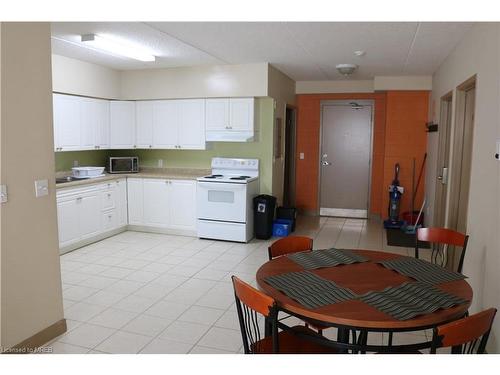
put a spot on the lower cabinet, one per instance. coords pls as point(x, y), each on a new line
point(92, 210)
point(86, 212)
point(162, 203)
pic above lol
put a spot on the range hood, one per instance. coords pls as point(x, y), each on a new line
point(229, 136)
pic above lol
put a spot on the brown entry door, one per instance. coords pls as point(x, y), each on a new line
point(345, 158)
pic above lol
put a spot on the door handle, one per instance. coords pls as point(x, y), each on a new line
point(325, 163)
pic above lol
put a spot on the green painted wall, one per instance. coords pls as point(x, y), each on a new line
point(261, 149)
point(64, 160)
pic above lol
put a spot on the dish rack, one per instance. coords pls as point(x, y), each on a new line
point(87, 172)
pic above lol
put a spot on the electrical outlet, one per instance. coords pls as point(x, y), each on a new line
point(301, 156)
point(160, 163)
point(75, 163)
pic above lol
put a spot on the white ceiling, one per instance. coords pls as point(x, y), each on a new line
point(303, 50)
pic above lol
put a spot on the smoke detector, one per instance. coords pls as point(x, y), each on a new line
point(346, 69)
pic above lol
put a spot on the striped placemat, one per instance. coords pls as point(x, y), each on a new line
point(325, 258)
point(411, 299)
point(421, 270)
point(309, 289)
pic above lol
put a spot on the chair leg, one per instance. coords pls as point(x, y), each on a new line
point(389, 342)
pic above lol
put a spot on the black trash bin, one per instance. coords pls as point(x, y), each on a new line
point(264, 206)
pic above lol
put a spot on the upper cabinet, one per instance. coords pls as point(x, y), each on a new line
point(182, 124)
point(122, 124)
point(144, 124)
point(230, 120)
point(80, 123)
point(176, 124)
point(191, 125)
point(67, 122)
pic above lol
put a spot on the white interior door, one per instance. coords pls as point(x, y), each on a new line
point(345, 159)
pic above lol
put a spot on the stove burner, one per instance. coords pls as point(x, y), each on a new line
point(239, 178)
point(213, 176)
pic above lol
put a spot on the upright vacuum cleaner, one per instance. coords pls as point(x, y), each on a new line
point(395, 192)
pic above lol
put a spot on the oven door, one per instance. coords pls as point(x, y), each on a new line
point(222, 201)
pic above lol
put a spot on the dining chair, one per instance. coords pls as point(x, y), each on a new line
point(465, 336)
point(289, 245)
point(251, 305)
point(443, 236)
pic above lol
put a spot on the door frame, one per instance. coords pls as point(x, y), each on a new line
point(444, 154)
point(344, 102)
point(292, 157)
point(457, 152)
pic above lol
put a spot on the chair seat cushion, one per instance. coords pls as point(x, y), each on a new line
point(290, 343)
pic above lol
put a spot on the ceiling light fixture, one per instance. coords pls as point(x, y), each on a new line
point(117, 47)
point(346, 69)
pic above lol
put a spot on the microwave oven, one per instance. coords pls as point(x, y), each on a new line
point(123, 164)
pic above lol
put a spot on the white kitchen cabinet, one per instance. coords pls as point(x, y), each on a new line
point(68, 220)
point(122, 124)
point(90, 214)
point(182, 204)
point(86, 212)
point(102, 131)
point(135, 196)
point(80, 123)
point(230, 120)
point(191, 127)
point(67, 122)
point(165, 124)
point(89, 112)
point(179, 124)
point(156, 202)
point(162, 203)
point(144, 124)
point(121, 206)
point(217, 114)
point(241, 114)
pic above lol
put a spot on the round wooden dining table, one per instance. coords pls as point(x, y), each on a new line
point(361, 278)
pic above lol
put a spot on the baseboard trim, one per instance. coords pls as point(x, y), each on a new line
point(148, 229)
point(29, 345)
point(91, 240)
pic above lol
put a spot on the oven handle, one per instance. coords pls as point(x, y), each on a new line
point(226, 186)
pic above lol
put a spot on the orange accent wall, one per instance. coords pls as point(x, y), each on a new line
point(406, 138)
point(398, 134)
point(308, 129)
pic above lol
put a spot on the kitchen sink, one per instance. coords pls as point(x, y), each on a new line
point(62, 180)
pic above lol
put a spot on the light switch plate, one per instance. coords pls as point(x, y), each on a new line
point(301, 156)
point(41, 188)
point(3, 193)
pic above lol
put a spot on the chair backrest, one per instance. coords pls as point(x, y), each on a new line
point(465, 336)
point(443, 236)
point(288, 245)
point(251, 302)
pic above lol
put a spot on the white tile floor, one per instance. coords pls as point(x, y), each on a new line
point(151, 293)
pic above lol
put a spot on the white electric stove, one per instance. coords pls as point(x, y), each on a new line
point(224, 199)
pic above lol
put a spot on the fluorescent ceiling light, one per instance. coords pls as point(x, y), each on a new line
point(117, 47)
